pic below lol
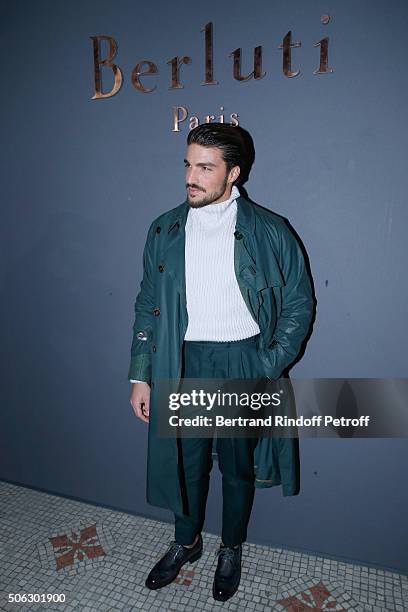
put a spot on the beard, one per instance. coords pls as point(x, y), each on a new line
point(208, 198)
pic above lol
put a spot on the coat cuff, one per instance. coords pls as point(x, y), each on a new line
point(141, 368)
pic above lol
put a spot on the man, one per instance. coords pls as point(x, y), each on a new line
point(225, 294)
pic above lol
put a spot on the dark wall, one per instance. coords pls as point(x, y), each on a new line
point(82, 179)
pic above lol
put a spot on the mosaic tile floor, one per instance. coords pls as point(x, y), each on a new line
point(97, 560)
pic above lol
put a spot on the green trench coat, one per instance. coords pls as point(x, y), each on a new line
point(272, 277)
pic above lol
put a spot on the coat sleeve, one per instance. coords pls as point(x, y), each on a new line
point(295, 304)
point(140, 353)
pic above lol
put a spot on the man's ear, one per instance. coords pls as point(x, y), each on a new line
point(234, 173)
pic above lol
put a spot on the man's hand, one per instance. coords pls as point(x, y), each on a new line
point(140, 400)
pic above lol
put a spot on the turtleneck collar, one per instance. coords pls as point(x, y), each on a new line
point(218, 206)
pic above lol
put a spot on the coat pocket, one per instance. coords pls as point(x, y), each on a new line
point(269, 302)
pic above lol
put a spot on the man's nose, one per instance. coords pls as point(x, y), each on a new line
point(191, 177)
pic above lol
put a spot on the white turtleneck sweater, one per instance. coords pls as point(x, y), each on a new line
point(215, 306)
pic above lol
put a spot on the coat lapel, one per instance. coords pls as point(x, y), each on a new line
point(173, 256)
point(255, 265)
point(255, 262)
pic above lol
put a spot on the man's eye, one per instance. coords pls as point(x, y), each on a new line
point(206, 168)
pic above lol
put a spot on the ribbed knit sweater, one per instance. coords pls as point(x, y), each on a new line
point(215, 306)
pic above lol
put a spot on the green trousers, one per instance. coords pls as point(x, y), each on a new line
point(207, 359)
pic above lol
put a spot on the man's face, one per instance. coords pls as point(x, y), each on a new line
point(207, 180)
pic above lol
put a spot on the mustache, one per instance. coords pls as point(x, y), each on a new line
point(194, 187)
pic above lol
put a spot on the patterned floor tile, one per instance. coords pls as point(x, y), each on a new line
point(75, 548)
point(312, 593)
point(97, 560)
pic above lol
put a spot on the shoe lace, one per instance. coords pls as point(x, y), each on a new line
point(175, 548)
point(226, 553)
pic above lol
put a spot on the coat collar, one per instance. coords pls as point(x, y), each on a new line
point(247, 271)
point(245, 216)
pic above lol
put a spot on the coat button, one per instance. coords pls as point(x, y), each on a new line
point(154, 348)
point(161, 268)
point(158, 229)
point(156, 312)
point(238, 235)
point(274, 343)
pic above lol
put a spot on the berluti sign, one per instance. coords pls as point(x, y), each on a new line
point(180, 114)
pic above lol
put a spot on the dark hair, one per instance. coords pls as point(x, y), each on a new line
point(235, 143)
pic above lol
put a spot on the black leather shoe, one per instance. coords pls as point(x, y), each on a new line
point(168, 567)
point(228, 572)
